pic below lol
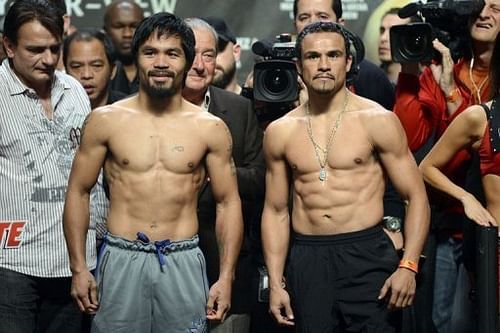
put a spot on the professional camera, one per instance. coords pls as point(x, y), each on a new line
point(275, 78)
point(275, 85)
point(446, 20)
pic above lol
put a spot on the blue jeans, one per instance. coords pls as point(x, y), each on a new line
point(452, 310)
point(31, 304)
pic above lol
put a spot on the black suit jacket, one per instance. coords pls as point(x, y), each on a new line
point(238, 114)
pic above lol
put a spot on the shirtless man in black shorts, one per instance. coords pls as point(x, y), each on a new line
point(344, 273)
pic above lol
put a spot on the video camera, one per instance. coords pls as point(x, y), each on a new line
point(275, 85)
point(446, 20)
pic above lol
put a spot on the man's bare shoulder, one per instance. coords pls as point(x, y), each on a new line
point(289, 121)
point(281, 131)
point(365, 106)
point(120, 108)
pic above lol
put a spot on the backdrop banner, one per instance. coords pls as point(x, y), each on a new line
point(251, 20)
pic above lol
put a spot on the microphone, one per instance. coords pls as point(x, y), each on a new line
point(262, 48)
point(409, 10)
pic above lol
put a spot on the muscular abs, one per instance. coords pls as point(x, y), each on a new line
point(350, 198)
point(155, 170)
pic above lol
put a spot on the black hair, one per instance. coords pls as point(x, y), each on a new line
point(322, 26)
point(60, 5)
point(336, 7)
point(88, 35)
point(25, 11)
point(165, 24)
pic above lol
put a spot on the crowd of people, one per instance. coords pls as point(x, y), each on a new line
point(140, 192)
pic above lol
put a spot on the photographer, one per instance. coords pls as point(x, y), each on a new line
point(426, 104)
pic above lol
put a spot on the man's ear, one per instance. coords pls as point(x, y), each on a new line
point(114, 68)
point(349, 63)
point(237, 52)
point(113, 71)
point(9, 47)
point(341, 21)
point(298, 65)
point(67, 23)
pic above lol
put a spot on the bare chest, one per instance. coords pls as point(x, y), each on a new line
point(349, 149)
point(178, 149)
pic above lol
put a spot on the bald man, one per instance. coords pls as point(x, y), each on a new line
point(120, 21)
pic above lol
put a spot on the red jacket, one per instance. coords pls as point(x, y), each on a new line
point(421, 107)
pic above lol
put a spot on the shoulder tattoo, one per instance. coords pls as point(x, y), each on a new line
point(84, 125)
point(229, 138)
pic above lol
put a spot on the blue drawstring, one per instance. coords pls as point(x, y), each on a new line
point(159, 245)
point(100, 253)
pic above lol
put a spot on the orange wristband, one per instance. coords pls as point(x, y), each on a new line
point(453, 96)
point(408, 264)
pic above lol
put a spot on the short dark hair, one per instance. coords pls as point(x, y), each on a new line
point(336, 7)
point(25, 11)
point(165, 24)
point(88, 35)
point(322, 26)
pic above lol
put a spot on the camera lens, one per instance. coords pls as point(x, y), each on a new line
point(412, 42)
point(276, 81)
point(415, 43)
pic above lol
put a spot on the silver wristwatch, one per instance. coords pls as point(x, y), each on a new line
point(392, 223)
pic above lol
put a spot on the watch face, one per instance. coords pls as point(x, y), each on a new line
point(392, 223)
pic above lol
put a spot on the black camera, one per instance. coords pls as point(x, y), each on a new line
point(446, 20)
point(275, 85)
point(275, 78)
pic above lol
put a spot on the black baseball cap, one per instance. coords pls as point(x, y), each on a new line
point(221, 28)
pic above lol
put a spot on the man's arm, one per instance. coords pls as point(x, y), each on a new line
point(229, 220)
point(276, 223)
point(85, 170)
point(390, 142)
point(465, 131)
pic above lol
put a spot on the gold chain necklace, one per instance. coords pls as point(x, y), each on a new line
point(478, 89)
point(317, 148)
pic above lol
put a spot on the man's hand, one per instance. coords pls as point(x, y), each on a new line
point(443, 72)
point(399, 289)
point(280, 300)
point(219, 300)
point(84, 291)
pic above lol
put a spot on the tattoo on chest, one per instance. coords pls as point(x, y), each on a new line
point(178, 148)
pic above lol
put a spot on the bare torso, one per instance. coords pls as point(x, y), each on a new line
point(154, 167)
point(350, 198)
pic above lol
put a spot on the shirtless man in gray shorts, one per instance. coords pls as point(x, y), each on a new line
point(156, 149)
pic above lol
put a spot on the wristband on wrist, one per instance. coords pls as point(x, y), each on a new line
point(452, 97)
point(408, 264)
